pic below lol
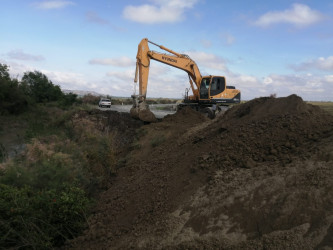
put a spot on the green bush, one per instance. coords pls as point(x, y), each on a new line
point(47, 174)
point(42, 198)
point(68, 100)
point(40, 219)
point(40, 88)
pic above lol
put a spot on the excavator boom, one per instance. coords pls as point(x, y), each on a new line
point(144, 55)
point(176, 60)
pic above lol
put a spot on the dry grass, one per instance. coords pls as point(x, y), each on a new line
point(328, 106)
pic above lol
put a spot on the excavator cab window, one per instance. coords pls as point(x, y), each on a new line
point(217, 86)
point(204, 86)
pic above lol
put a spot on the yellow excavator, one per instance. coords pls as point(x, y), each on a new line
point(209, 92)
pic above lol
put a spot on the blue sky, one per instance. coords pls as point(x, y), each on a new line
point(278, 47)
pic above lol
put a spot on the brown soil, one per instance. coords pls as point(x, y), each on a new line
point(258, 177)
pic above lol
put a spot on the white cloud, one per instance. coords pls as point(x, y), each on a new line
point(321, 63)
point(17, 70)
point(20, 55)
point(206, 43)
point(267, 80)
point(127, 75)
point(208, 60)
point(155, 70)
point(160, 11)
point(95, 18)
point(247, 79)
point(121, 82)
point(329, 78)
point(227, 39)
point(163, 81)
point(69, 80)
point(57, 4)
point(299, 15)
point(250, 86)
point(309, 87)
point(120, 61)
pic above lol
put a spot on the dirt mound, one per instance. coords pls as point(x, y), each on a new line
point(258, 177)
point(260, 108)
point(268, 130)
point(184, 116)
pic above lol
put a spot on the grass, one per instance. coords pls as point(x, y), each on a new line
point(157, 140)
point(328, 106)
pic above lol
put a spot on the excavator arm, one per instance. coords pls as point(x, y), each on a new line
point(140, 108)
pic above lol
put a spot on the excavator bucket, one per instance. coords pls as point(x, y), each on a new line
point(141, 111)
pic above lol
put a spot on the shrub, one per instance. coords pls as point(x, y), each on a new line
point(12, 98)
point(122, 101)
point(40, 88)
point(68, 100)
point(90, 99)
point(42, 197)
point(40, 219)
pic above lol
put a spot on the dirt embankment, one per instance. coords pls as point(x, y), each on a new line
point(259, 177)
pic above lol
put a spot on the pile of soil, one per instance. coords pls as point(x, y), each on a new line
point(269, 130)
point(258, 177)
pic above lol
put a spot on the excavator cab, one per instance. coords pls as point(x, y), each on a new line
point(213, 89)
point(211, 86)
point(204, 88)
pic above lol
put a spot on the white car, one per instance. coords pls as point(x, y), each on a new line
point(104, 103)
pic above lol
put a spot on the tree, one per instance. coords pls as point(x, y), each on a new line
point(12, 98)
point(4, 72)
point(40, 88)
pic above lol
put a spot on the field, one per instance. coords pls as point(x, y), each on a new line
point(328, 106)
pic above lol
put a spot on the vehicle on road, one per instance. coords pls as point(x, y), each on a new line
point(104, 102)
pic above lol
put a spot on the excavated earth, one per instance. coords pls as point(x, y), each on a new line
point(259, 176)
